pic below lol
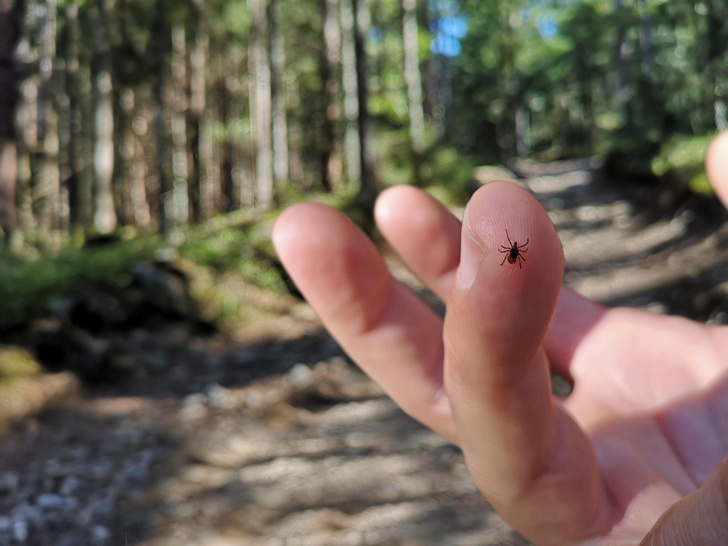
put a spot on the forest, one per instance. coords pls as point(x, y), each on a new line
point(154, 114)
point(162, 381)
point(134, 117)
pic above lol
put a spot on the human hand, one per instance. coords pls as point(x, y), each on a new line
point(632, 456)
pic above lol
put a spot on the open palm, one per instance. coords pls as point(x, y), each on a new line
point(645, 426)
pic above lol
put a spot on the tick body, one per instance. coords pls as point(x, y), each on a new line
point(514, 252)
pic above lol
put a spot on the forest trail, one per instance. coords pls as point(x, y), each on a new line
point(278, 440)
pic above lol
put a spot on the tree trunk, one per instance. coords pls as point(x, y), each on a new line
point(413, 81)
point(260, 104)
point(200, 201)
point(624, 91)
point(180, 169)
point(9, 34)
point(647, 47)
point(228, 98)
point(48, 174)
point(75, 219)
point(351, 101)
point(295, 150)
point(160, 48)
point(105, 220)
point(281, 167)
point(368, 190)
point(329, 63)
point(27, 120)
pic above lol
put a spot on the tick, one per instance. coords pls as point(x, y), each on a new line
point(513, 252)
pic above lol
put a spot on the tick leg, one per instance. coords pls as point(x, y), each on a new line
point(522, 258)
point(509, 238)
point(522, 249)
point(519, 263)
point(504, 259)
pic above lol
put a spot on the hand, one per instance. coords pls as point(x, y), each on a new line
point(632, 456)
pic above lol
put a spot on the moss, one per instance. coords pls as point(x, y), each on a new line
point(17, 362)
point(29, 287)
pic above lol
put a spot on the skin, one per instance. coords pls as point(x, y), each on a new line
point(636, 455)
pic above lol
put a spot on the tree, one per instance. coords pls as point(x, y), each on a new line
point(329, 65)
point(410, 37)
point(368, 188)
point(9, 16)
point(260, 105)
point(281, 169)
point(105, 219)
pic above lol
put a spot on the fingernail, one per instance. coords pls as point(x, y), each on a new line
point(470, 258)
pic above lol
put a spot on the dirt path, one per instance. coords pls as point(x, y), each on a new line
point(280, 441)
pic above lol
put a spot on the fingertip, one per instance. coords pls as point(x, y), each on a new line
point(385, 208)
point(293, 222)
point(503, 213)
point(520, 292)
point(424, 233)
point(716, 165)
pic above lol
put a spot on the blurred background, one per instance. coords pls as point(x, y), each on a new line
point(161, 380)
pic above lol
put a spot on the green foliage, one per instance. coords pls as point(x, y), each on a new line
point(240, 249)
point(29, 288)
point(683, 159)
point(628, 153)
point(449, 175)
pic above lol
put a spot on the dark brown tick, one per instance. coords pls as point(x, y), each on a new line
point(513, 252)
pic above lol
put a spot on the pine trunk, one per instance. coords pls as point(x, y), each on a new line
point(160, 47)
point(9, 34)
point(349, 86)
point(413, 81)
point(329, 65)
point(47, 185)
point(200, 194)
point(180, 164)
point(260, 104)
point(105, 219)
point(281, 168)
point(368, 190)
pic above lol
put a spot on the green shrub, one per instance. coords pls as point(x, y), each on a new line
point(683, 159)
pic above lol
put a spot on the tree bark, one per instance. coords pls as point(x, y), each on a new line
point(160, 48)
point(180, 165)
point(624, 91)
point(75, 222)
point(47, 186)
point(281, 168)
point(351, 100)
point(260, 105)
point(105, 219)
point(200, 198)
point(9, 34)
point(329, 64)
point(368, 190)
point(413, 81)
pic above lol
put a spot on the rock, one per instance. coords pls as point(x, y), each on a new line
point(50, 501)
point(166, 288)
point(9, 484)
point(219, 396)
point(100, 534)
point(20, 531)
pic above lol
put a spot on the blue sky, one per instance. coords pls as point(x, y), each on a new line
point(451, 26)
